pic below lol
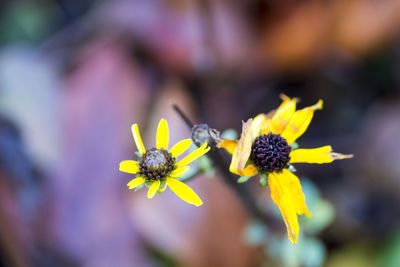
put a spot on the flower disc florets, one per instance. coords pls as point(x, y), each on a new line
point(156, 164)
point(270, 153)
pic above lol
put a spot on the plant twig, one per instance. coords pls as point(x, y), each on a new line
point(221, 161)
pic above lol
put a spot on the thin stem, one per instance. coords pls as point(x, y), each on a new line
point(188, 122)
point(221, 162)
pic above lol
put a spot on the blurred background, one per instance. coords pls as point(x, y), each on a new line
point(74, 75)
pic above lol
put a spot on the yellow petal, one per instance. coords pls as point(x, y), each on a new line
point(153, 189)
point(293, 183)
point(163, 188)
point(259, 123)
point(249, 170)
point(318, 155)
point(138, 139)
point(203, 149)
point(162, 137)
point(299, 122)
point(129, 166)
point(179, 172)
point(180, 147)
point(265, 122)
point(285, 205)
point(287, 194)
point(184, 192)
point(136, 182)
point(242, 151)
point(228, 145)
point(283, 114)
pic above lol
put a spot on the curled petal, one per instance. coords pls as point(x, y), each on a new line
point(184, 192)
point(299, 122)
point(129, 166)
point(318, 155)
point(180, 147)
point(153, 189)
point(287, 194)
point(136, 182)
point(283, 114)
point(203, 149)
point(242, 151)
point(138, 139)
point(228, 145)
point(162, 137)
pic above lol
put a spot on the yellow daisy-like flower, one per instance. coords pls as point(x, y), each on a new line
point(265, 148)
point(158, 168)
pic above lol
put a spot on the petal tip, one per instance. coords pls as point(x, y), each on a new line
point(319, 105)
point(198, 204)
point(338, 156)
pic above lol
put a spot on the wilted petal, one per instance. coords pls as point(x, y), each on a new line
point(318, 155)
point(283, 114)
point(287, 194)
point(242, 151)
point(299, 122)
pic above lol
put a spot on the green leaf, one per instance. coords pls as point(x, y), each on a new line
point(263, 180)
point(256, 233)
point(243, 179)
point(205, 164)
point(294, 145)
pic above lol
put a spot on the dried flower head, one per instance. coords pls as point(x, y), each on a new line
point(265, 148)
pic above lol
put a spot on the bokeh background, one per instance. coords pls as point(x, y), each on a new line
point(74, 75)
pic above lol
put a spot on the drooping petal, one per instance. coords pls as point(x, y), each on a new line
point(283, 114)
point(318, 155)
point(129, 166)
point(184, 192)
point(294, 185)
point(299, 122)
point(287, 194)
point(138, 139)
point(136, 182)
point(285, 205)
point(179, 172)
point(180, 147)
point(228, 145)
point(162, 137)
point(242, 151)
point(203, 149)
point(153, 189)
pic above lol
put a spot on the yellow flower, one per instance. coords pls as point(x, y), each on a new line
point(265, 148)
point(158, 168)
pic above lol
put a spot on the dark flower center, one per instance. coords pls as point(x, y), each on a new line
point(270, 153)
point(156, 164)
